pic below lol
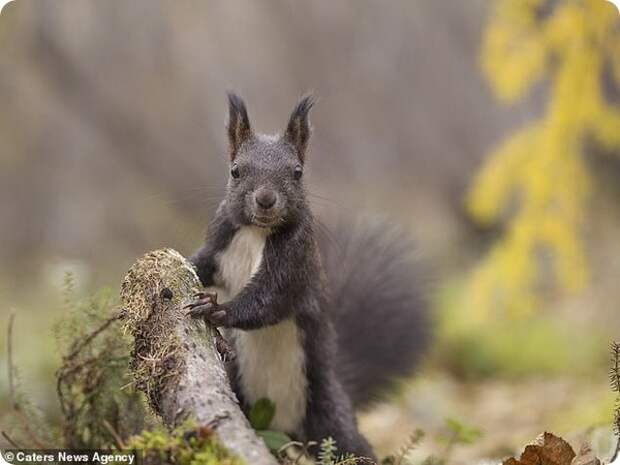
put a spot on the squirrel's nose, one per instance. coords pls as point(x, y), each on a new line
point(265, 198)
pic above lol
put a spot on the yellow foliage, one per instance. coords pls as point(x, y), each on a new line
point(536, 181)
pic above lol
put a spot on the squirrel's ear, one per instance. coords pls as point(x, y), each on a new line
point(238, 126)
point(298, 129)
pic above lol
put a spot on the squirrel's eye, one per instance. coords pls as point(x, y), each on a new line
point(298, 172)
point(234, 171)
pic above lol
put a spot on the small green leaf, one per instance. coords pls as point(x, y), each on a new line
point(262, 413)
point(275, 440)
point(461, 433)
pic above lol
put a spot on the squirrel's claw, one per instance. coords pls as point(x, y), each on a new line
point(212, 313)
point(199, 311)
point(206, 307)
point(203, 298)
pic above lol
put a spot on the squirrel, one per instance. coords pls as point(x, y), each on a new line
point(318, 326)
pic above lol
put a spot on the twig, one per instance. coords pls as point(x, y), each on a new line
point(65, 371)
point(9, 352)
point(19, 414)
point(283, 454)
point(616, 452)
point(92, 336)
point(8, 438)
point(117, 439)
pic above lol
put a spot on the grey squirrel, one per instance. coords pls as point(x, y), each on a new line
point(318, 325)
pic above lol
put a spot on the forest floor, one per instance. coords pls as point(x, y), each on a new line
point(504, 415)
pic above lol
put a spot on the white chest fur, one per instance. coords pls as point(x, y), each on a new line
point(271, 364)
point(270, 360)
point(240, 260)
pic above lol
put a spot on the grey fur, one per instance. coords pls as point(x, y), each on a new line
point(377, 305)
point(290, 284)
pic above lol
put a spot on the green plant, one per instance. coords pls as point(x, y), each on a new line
point(97, 400)
point(456, 433)
point(262, 413)
point(260, 416)
point(185, 445)
point(401, 457)
point(328, 454)
point(100, 408)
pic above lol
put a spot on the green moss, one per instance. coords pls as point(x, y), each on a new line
point(152, 295)
point(185, 445)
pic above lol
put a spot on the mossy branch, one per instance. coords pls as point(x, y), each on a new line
point(175, 361)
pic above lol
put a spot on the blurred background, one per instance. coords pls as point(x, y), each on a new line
point(489, 129)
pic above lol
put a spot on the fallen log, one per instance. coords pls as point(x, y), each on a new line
point(175, 361)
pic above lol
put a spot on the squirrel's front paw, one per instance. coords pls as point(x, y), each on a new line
point(205, 306)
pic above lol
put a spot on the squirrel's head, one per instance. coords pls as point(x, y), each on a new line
point(265, 186)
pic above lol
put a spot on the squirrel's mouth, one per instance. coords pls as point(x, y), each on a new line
point(265, 221)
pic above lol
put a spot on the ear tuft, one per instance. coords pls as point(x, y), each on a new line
point(298, 129)
point(239, 129)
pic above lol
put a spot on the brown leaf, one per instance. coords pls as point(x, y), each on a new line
point(547, 449)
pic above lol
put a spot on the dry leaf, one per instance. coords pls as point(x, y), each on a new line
point(547, 449)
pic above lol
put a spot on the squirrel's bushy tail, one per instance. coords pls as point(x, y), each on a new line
point(377, 304)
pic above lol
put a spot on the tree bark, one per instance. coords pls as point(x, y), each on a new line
point(175, 361)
